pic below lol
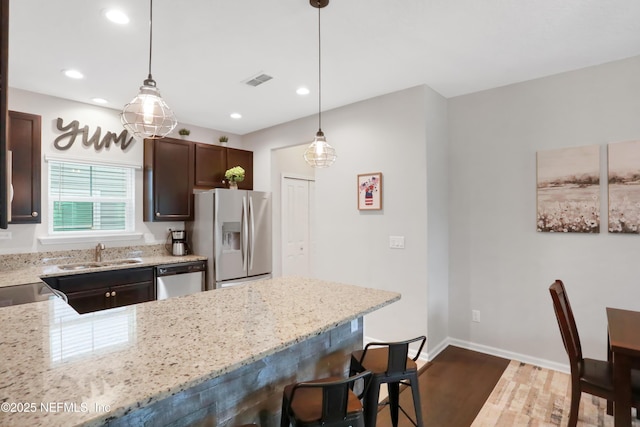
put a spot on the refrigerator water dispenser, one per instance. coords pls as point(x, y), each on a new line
point(230, 236)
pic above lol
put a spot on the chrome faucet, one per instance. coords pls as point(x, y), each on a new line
point(99, 249)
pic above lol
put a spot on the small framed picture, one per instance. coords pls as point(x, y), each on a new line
point(370, 191)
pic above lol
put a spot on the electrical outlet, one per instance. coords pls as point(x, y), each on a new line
point(354, 325)
point(475, 315)
point(396, 242)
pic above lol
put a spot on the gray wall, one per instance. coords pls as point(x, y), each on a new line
point(500, 265)
point(459, 184)
point(388, 134)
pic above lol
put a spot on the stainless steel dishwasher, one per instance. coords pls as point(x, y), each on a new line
point(174, 280)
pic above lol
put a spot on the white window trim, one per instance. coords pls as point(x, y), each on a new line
point(90, 161)
point(83, 237)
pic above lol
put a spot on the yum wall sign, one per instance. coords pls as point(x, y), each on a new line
point(73, 131)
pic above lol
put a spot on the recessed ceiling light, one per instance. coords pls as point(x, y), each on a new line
point(236, 115)
point(73, 74)
point(116, 16)
point(302, 91)
point(100, 100)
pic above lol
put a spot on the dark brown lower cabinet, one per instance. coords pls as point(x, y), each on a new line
point(89, 292)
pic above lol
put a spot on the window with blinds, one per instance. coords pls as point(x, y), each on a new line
point(85, 198)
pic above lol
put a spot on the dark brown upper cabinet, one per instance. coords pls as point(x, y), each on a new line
point(211, 164)
point(24, 142)
point(244, 159)
point(168, 179)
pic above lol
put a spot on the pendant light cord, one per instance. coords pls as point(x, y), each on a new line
point(319, 75)
point(150, 35)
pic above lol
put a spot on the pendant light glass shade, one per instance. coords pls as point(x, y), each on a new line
point(320, 154)
point(147, 115)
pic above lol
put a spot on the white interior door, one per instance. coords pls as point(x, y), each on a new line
point(296, 226)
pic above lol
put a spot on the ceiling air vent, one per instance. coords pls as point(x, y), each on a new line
point(258, 80)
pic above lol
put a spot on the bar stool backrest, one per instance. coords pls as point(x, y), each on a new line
point(335, 397)
point(398, 354)
point(397, 358)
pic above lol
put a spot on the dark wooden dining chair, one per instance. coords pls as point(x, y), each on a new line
point(327, 402)
point(587, 375)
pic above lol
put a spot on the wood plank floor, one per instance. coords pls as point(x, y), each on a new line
point(453, 388)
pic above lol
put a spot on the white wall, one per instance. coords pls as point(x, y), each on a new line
point(500, 265)
point(21, 238)
point(437, 221)
point(386, 134)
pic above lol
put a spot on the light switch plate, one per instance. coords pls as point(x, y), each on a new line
point(396, 242)
point(354, 325)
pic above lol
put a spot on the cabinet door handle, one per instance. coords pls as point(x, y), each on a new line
point(157, 213)
point(34, 214)
point(107, 295)
point(113, 293)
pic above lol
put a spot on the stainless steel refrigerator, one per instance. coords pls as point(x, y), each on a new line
point(232, 228)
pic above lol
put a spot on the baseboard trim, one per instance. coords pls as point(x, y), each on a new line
point(438, 348)
point(543, 363)
point(498, 352)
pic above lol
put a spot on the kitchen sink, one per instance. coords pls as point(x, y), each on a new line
point(86, 265)
point(80, 266)
point(121, 262)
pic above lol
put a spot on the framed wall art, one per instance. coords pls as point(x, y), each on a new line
point(624, 187)
point(568, 190)
point(370, 191)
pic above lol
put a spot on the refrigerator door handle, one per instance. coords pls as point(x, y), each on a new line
point(252, 224)
point(245, 234)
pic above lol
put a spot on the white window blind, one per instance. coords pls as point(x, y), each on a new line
point(85, 198)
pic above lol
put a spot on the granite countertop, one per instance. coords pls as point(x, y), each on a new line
point(105, 364)
point(33, 273)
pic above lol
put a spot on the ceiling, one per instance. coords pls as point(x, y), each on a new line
point(204, 50)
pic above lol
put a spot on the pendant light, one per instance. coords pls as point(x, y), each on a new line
point(147, 115)
point(320, 154)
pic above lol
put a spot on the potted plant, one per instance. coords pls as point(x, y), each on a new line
point(223, 139)
point(184, 132)
point(234, 176)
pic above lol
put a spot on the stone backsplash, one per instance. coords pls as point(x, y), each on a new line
point(24, 260)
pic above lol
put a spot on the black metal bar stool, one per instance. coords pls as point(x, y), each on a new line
point(329, 402)
point(389, 363)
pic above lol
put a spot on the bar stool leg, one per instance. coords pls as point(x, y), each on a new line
point(415, 391)
point(394, 401)
point(371, 403)
point(284, 416)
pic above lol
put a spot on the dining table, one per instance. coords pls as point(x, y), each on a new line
point(624, 350)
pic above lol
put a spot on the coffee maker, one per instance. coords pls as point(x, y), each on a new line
point(178, 243)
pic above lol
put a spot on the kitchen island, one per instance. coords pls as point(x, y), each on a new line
point(221, 355)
